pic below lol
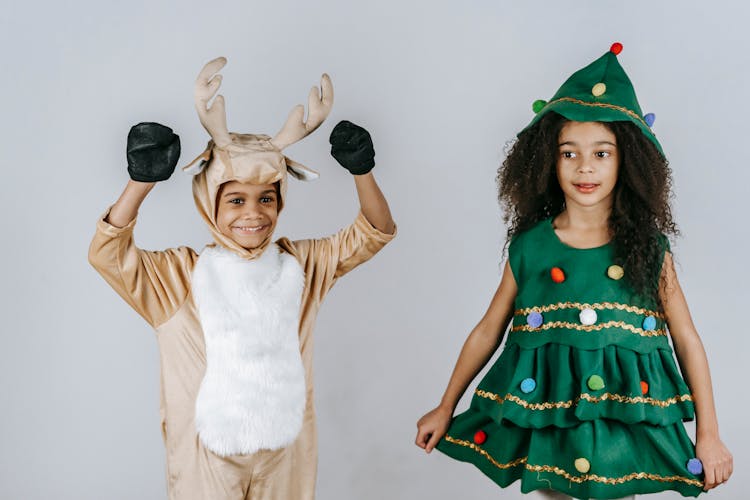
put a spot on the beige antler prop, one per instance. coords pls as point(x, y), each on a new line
point(214, 119)
point(319, 104)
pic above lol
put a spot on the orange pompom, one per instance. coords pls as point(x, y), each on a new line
point(557, 274)
point(616, 48)
point(480, 437)
point(644, 387)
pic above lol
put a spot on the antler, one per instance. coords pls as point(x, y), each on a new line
point(319, 104)
point(214, 119)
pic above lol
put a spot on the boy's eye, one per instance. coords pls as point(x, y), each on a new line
point(236, 201)
point(267, 199)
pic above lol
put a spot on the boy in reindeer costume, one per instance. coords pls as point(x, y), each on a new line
point(234, 324)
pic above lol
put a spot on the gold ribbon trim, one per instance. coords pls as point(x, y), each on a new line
point(575, 479)
point(627, 111)
point(607, 396)
point(591, 328)
point(598, 306)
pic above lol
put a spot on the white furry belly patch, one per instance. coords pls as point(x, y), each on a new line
point(253, 393)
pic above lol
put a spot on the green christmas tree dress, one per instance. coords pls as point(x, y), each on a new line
point(586, 398)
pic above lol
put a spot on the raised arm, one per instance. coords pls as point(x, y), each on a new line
point(716, 458)
point(373, 204)
point(482, 342)
point(153, 283)
point(352, 147)
point(126, 207)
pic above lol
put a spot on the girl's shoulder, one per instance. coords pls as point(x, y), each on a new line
point(537, 234)
point(529, 245)
point(663, 243)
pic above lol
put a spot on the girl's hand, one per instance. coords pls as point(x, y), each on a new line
point(432, 427)
point(716, 459)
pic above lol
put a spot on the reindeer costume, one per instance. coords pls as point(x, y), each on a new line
point(234, 326)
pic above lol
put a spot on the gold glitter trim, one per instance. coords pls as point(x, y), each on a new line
point(469, 444)
point(613, 480)
point(529, 406)
point(570, 477)
point(598, 306)
point(627, 111)
point(607, 396)
point(591, 328)
point(619, 398)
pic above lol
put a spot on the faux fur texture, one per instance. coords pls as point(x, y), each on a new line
point(253, 394)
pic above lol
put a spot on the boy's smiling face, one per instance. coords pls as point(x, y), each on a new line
point(247, 213)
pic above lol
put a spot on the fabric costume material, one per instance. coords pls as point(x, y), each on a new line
point(236, 352)
point(603, 418)
point(600, 92)
point(585, 398)
point(158, 285)
point(253, 393)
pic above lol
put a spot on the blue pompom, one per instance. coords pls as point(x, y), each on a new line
point(528, 385)
point(695, 466)
point(649, 118)
point(649, 324)
point(534, 319)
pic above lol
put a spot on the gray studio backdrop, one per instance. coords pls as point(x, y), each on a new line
point(442, 87)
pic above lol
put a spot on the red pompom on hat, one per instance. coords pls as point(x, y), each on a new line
point(616, 48)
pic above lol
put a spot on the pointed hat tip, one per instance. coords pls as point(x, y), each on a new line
point(616, 48)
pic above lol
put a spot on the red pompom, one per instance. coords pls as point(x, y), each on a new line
point(480, 437)
point(616, 48)
point(644, 387)
point(557, 274)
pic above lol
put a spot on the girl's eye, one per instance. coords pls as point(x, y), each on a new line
point(602, 154)
point(568, 154)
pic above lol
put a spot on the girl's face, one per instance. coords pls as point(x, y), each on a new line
point(247, 213)
point(587, 164)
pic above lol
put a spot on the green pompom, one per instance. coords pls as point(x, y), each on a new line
point(538, 105)
point(596, 383)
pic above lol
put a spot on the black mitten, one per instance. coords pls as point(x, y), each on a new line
point(153, 151)
point(351, 145)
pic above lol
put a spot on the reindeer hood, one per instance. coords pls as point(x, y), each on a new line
point(249, 158)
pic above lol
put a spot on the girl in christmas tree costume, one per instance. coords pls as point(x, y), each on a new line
point(585, 399)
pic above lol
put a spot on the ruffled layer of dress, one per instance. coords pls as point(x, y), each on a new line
point(600, 423)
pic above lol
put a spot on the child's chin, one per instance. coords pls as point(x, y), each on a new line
point(248, 242)
point(249, 245)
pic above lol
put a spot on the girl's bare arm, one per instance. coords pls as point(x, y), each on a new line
point(482, 342)
point(716, 458)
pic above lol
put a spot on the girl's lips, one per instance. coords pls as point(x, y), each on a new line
point(586, 188)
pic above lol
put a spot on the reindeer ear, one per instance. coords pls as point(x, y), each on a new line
point(299, 171)
point(196, 166)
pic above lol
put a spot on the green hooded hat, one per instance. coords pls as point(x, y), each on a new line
point(600, 92)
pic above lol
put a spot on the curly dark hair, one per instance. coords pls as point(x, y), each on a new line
point(528, 192)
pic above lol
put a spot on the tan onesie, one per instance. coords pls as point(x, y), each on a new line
point(158, 286)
